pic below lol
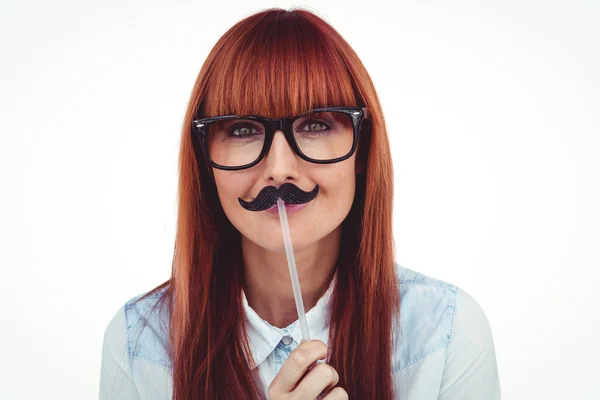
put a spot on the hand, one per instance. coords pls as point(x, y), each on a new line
point(301, 378)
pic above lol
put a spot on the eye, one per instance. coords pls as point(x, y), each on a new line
point(315, 126)
point(243, 130)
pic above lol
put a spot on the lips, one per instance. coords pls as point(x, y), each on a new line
point(289, 208)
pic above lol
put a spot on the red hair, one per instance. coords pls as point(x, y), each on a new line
point(277, 63)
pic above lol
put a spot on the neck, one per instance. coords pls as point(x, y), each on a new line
point(268, 286)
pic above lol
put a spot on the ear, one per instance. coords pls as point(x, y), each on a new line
point(364, 143)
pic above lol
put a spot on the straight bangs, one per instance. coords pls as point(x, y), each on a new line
point(282, 67)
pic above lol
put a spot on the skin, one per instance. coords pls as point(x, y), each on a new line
point(292, 381)
point(315, 230)
point(316, 234)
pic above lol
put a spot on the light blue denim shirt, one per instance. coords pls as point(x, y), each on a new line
point(443, 345)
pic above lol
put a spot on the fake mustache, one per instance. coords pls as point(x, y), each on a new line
point(289, 193)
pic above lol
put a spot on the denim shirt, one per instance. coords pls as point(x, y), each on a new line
point(443, 346)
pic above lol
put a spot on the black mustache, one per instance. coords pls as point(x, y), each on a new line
point(289, 193)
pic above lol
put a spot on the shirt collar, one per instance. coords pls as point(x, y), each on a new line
point(263, 337)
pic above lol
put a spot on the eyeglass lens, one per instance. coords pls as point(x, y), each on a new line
point(320, 136)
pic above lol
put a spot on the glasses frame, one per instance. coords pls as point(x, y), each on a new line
point(272, 125)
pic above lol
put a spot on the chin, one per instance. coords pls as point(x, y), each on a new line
point(276, 244)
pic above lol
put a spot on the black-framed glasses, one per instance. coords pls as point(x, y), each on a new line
point(322, 136)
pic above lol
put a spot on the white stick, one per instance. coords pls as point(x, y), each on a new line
point(289, 251)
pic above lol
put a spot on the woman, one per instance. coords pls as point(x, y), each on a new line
point(224, 326)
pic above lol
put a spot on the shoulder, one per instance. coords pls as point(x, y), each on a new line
point(431, 310)
point(470, 368)
point(140, 329)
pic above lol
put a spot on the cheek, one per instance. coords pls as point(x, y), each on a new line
point(341, 185)
point(230, 186)
point(337, 195)
point(232, 183)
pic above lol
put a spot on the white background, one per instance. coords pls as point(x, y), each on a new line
point(492, 110)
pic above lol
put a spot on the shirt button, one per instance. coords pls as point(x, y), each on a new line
point(287, 340)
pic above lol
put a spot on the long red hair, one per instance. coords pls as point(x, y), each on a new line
point(276, 63)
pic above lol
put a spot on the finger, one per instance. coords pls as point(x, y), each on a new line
point(337, 393)
point(312, 365)
point(322, 377)
point(296, 365)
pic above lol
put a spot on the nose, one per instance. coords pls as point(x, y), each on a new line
point(281, 163)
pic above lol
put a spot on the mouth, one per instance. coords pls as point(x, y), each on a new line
point(289, 208)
